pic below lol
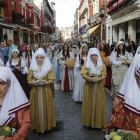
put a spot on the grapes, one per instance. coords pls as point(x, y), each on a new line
point(127, 135)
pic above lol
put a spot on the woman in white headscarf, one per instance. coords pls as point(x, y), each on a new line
point(79, 81)
point(120, 66)
point(14, 105)
point(93, 106)
point(126, 106)
point(41, 77)
point(20, 70)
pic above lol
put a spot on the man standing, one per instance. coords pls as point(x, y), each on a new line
point(11, 47)
point(4, 50)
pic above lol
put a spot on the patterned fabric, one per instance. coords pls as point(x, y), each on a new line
point(22, 123)
point(93, 107)
point(122, 118)
point(48, 101)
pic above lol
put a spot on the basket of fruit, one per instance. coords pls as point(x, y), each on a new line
point(6, 131)
point(123, 135)
point(129, 61)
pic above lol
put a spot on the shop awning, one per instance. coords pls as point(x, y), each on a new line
point(93, 29)
point(7, 26)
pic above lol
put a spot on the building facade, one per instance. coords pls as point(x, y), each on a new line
point(67, 34)
point(23, 22)
point(92, 18)
point(76, 25)
point(123, 20)
point(49, 18)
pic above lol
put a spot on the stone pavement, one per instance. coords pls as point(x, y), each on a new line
point(69, 112)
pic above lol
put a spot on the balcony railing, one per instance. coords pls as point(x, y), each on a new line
point(94, 17)
point(84, 12)
point(118, 6)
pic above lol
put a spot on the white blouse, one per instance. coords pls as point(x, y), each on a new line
point(25, 70)
point(114, 61)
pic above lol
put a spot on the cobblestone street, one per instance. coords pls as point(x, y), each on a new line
point(69, 112)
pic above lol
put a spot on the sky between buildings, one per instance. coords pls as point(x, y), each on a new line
point(65, 10)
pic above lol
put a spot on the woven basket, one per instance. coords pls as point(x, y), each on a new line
point(107, 61)
point(70, 63)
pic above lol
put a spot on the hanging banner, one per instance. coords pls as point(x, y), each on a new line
point(83, 29)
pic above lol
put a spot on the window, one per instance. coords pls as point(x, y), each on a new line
point(13, 5)
point(36, 21)
point(24, 11)
point(126, 30)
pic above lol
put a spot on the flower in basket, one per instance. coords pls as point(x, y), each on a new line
point(62, 58)
point(5, 131)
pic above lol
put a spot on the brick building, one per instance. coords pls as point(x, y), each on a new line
point(22, 21)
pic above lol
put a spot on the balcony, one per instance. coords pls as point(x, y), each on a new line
point(118, 6)
point(94, 18)
point(110, 3)
point(43, 29)
point(84, 12)
point(49, 30)
point(18, 18)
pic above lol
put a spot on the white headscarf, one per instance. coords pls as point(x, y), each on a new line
point(130, 91)
point(15, 98)
point(46, 66)
point(15, 50)
point(120, 42)
point(1, 62)
point(89, 63)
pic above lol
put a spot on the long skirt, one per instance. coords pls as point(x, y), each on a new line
point(78, 88)
point(42, 108)
point(93, 106)
point(67, 79)
point(118, 74)
point(108, 77)
point(58, 71)
point(122, 118)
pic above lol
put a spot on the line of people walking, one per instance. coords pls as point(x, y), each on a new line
point(85, 70)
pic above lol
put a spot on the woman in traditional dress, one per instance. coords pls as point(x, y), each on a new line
point(41, 77)
point(27, 56)
point(67, 74)
point(14, 105)
point(104, 53)
point(126, 106)
point(93, 106)
point(120, 67)
point(48, 51)
point(58, 63)
point(20, 70)
point(79, 81)
point(35, 48)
